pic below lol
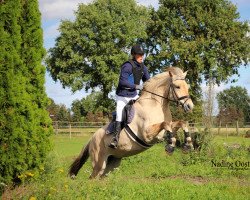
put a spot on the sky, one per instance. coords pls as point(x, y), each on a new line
point(55, 11)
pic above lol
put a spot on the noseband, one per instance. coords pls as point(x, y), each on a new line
point(174, 95)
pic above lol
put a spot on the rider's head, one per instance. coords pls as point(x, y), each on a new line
point(137, 53)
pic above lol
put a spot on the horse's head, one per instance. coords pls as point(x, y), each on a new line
point(178, 89)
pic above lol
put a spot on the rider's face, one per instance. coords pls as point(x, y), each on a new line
point(139, 58)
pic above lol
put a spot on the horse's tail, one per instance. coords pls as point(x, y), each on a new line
point(79, 161)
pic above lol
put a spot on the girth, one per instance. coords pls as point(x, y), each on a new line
point(135, 138)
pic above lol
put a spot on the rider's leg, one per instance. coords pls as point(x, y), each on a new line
point(120, 104)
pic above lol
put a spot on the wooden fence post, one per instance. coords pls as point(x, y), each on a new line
point(226, 131)
point(219, 128)
point(56, 127)
point(70, 130)
point(237, 127)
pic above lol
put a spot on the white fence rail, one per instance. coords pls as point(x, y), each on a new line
point(232, 128)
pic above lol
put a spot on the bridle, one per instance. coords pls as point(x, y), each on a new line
point(174, 94)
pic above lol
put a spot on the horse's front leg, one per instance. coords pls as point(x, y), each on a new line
point(170, 139)
point(155, 129)
point(188, 141)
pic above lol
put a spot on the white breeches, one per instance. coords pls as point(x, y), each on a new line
point(120, 104)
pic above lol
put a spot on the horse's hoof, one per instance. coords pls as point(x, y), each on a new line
point(73, 176)
point(186, 148)
point(169, 149)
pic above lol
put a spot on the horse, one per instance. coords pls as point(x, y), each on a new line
point(151, 116)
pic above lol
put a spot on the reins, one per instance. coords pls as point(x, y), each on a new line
point(174, 94)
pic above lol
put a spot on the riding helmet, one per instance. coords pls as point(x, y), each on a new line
point(137, 49)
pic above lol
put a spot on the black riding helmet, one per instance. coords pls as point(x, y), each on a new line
point(137, 49)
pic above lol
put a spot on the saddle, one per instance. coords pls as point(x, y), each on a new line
point(127, 117)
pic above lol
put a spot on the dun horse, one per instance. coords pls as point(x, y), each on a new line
point(152, 115)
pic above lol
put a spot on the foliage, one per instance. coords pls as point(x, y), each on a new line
point(92, 105)
point(58, 112)
point(179, 114)
point(90, 50)
point(24, 123)
point(234, 104)
point(202, 36)
point(78, 111)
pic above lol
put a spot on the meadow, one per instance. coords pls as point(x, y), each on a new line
point(221, 170)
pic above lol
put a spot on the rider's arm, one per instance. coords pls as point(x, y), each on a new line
point(126, 71)
point(146, 75)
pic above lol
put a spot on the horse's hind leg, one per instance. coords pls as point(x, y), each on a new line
point(99, 160)
point(112, 163)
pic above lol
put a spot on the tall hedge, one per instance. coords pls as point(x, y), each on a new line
point(25, 125)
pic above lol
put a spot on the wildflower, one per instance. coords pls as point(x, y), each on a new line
point(60, 170)
point(29, 174)
point(32, 198)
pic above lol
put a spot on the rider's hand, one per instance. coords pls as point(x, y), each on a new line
point(139, 87)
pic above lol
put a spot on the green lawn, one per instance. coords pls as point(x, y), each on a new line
point(149, 175)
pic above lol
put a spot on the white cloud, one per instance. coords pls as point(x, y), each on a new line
point(64, 9)
point(153, 3)
point(59, 9)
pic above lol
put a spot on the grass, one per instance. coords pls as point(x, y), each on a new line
point(149, 175)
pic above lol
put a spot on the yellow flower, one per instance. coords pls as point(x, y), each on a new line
point(60, 170)
point(32, 198)
point(29, 174)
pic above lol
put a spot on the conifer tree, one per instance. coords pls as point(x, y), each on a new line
point(24, 123)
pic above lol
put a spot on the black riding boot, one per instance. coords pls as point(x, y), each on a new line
point(115, 139)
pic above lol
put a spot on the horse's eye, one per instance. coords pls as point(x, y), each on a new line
point(176, 86)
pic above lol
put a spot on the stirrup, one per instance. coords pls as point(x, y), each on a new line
point(114, 143)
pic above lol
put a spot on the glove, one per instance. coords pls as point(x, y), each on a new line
point(138, 87)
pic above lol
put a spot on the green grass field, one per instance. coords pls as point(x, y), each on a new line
point(149, 175)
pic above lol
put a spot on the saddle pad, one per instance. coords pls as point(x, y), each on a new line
point(128, 116)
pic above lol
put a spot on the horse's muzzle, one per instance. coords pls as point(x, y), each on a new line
point(188, 105)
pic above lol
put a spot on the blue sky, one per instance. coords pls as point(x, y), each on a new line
point(55, 11)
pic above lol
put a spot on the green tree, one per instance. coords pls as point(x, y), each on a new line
point(93, 103)
point(202, 36)
point(78, 110)
point(90, 50)
point(234, 100)
point(53, 109)
point(24, 122)
point(193, 117)
point(63, 113)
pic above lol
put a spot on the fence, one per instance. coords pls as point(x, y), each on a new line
point(232, 128)
point(76, 127)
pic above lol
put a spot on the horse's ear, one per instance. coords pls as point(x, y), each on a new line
point(185, 73)
point(170, 74)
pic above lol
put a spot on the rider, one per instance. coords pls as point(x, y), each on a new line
point(132, 72)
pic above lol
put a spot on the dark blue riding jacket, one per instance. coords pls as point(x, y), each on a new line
point(126, 86)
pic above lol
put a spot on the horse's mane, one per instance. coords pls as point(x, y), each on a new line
point(158, 79)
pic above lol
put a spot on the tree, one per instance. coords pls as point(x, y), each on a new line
point(229, 115)
point(93, 103)
point(90, 50)
point(78, 110)
point(193, 117)
point(234, 100)
point(202, 36)
point(58, 112)
point(24, 123)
